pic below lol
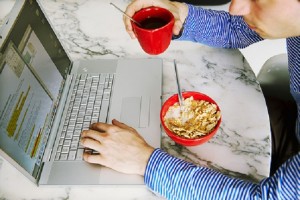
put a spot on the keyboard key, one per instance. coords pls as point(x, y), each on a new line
point(69, 135)
point(81, 114)
point(72, 155)
point(61, 141)
point(75, 140)
point(106, 95)
point(79, 154)
point(67, 143)
point(65, 150)
point(94, 120)
point(103, 111)
point(63, 156)
point(80, 120)
point(74, 146)
point(87, 118)
point(78, 126)
point(59, 148)
point(77, 132)
point(102, 79)
point(95, 115)
point(57, 156)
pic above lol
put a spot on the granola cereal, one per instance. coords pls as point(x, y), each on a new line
point(194, 119)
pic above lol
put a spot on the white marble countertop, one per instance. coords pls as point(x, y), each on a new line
point(241, 148)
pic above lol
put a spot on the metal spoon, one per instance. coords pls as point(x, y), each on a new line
point(139, 24)
point(181, 103)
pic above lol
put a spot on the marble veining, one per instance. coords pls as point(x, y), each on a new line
point(91, 29)
point(219, 78)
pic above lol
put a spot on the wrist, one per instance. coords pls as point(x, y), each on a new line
point(180, 12)
point(146, 156)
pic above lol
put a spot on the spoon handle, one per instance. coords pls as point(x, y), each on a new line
point(178, 85)
point(126, 15)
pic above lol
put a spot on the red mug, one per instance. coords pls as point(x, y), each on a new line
point(155, 32)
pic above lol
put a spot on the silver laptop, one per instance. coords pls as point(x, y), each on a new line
point(46, 100)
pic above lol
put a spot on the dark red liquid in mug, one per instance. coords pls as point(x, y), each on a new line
point(153, 23)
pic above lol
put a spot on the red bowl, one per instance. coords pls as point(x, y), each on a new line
point(187, 141)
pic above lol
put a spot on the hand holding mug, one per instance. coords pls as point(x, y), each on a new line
point(153, 29)
point(179, 11)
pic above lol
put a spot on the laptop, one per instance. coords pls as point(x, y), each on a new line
point(46, 100)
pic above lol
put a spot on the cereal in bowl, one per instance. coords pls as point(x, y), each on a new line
point(194, 119)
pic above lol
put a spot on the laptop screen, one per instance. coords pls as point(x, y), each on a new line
point(33, 67)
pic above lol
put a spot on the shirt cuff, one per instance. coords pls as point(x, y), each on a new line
point(158, 163)
point(156, 156)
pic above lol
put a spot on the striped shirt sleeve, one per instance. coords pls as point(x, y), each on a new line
point(217, 29)
point(179, 180)
point(293, 49)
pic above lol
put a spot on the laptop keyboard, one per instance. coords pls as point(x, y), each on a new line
point(89, 103)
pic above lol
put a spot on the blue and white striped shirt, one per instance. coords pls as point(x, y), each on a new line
point(176, 179)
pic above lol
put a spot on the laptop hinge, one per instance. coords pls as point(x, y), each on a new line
point(57, 119)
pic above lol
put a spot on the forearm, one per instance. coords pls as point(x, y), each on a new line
point(217, 29)
point(176, 179)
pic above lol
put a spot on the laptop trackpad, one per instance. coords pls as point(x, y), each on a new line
point(135, 111)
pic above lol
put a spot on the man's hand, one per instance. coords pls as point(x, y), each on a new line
point(120, 146)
